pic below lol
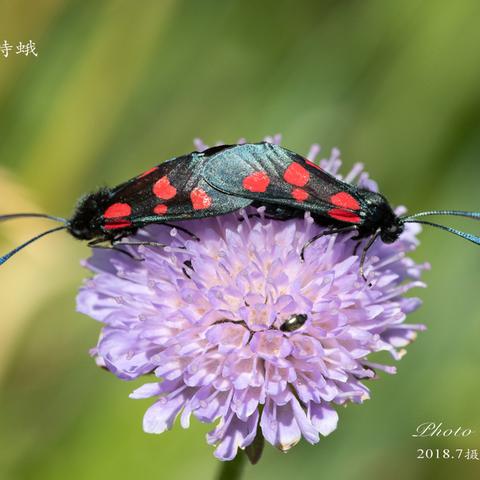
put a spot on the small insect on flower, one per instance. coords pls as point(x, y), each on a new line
point(293, 323)
point(239, 332)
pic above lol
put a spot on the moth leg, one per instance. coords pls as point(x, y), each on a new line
point(356, 246)
point(324, 234)
point(187, 264)
point(114, 247)
point(139, 243)
point(364, 254)
point(182, 229)
point(117, 243)
point(92, 243)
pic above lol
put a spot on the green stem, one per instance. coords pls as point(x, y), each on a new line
point(232, 470)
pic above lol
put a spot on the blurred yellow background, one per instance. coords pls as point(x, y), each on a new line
point(119, 86)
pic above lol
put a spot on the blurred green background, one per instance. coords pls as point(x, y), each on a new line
point(117, 87)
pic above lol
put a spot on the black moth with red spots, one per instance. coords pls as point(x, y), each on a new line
point(226, 178)
point(289, 184)
point(172, 191)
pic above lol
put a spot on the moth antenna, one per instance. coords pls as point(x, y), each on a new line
point(457, 213)
point(466, 236)
point(12, 216)
point(23, 245)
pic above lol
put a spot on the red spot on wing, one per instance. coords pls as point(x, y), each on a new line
point(296, 175)
point(200, 199)
point(164, 189)
point(299, 195)
point(121, 224)
point(115, 215)
point(314, 165)
point(160, 209)
point(148, 172)
point(344, 215)
point(345, 200)
point(256, 182)
point(118, 210)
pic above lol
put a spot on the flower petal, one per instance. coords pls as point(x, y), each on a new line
point(323, 417)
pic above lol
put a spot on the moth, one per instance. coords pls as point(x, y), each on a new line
point(290, 184)
point(227, 178)
point(171, 191)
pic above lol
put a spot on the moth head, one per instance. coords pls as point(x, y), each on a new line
point(390, 232)
point(86, 222)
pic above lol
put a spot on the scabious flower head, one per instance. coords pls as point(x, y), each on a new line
point(205, 317)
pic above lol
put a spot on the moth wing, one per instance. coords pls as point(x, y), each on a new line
point(271, 174)
point(173, 190)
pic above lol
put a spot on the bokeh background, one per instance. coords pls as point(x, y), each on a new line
point(119, 86)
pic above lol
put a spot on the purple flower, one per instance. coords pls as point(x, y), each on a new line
point(205, 318)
